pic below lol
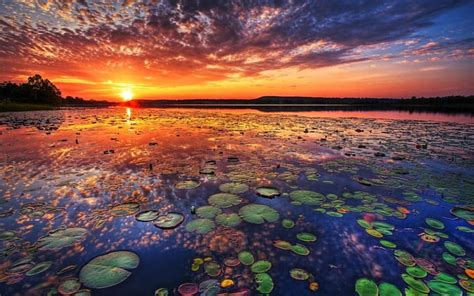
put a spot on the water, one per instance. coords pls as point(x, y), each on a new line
point(93, 170)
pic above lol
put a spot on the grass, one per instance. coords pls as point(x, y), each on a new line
point(17, 107)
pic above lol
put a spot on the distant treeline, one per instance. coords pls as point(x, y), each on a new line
point(37, 90)
point(277, 100)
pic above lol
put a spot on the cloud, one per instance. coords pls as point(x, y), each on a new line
point(206, 40)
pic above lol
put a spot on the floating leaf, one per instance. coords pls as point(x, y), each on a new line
point(306, 237)
point(264, 283)
point(366, 287)
point(300, 250)
point(61, 238)
point(224, 200)
point(258, 214)
point(434, 223)
point(268, 192)
point(39, 268)
point(307, 197)
point(287, 223)
point(208, 212)
point(444, 288)
point(416, 271)
point(463, 212)
point(246, 258)
point(230, 220)
point(147, 216)
point(418, 285)
point(281, 244)
point(261, 266)
point(387, 289)
point(201, 226)
point(124, 209)
point(69, 286)
point(299, 274)
point(108, 270)
point(234, 188)
point(169, 221)
point(454, 248)
point(212, 269)
point(387, 244)
point(187, 184)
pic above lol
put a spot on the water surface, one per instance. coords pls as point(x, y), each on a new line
point(371, 195)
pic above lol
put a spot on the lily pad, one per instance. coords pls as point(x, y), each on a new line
point(434, 223)
point(61, 238)
point(229, 220)
point(300, 250)
point(387, 289)
point(108, 270)
point(307, 197)
point(169, 221)
point(258, 214)
point(281, 244)
point(224, 200)
point(187, 184)
point(39, 268)
point(306, 237)
point(246, 258)
point(366, 287)
point(208, 212)
point(416, 272)
point(261, 266)
point(147, 216)
point(201, 226)
point(418, 285)
point(444, 288)
point(212, 269)
point(234, 188)
point(124, 209)
point(299, 274)
point(454, 248)
point(463, 212)
point(268, 192)
point(287, 223)
point(69, 286)
point(264, 283)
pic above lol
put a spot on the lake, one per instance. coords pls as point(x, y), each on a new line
point(123, 201)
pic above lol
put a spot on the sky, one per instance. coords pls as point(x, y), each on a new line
point(160, 49)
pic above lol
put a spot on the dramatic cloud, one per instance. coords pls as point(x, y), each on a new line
point(192, 42)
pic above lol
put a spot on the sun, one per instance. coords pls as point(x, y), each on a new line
point(127, 95)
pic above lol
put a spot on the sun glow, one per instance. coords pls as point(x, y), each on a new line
point(127, 95)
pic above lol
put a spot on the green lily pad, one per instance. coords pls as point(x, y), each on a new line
point(387, 289)
point(268, 192)
point(465, 229)
point(39, 268)
point(124, 209)
point(258, 214)
point(299, 274)
point(449, 258)
point(261, 266)
point(229, 220)
point(300, 250)
point(334, 214)
point(306, 237)
point(224, 200)
point(463, 212)
point(61, 238)
point(246, 258)
point(380, 226)
point(387, 244)
point(69, 286)
point(187, 184)
point(264, 283)
point(283, 245)
point(307, 197)
point(434, 223)
point(364, 224)
point(212, 269)
point(412, 292)
point(444, 288)
point(366, 287)
point(201, 226)
point(416, 272)
point(446, 278)
point(108, 270)
point(208, 212)
point(169, 221)
point(233, 187)
point(287, 223)
point(147, 216)
point(415, 284)
point(454, 248)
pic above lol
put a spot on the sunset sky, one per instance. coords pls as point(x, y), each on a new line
point(159, 49)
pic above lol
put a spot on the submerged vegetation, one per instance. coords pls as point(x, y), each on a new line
point(204, 202)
